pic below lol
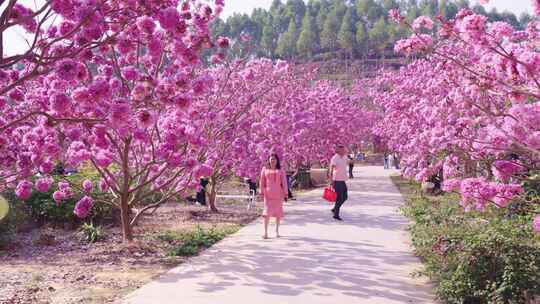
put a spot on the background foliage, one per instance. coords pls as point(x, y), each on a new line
point(325, 29)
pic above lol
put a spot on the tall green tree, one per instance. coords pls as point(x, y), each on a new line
point(258, 18)
point(320, 18)
point(390, 4)
point(279, 16)
point(369, 10)
point(268, 38)
point(378, 36)
point(307, 40)
point(463, 4)
point(413, 11)
point(219, 28)
point(360, 33)
point(451, 10)
point(362, 7)
point(286, 47)
point(313, 7)
point(524, 19)
point(346, 38)
point(340, 7)
point(237, 23)
point(295, 9)
point(329, 32)
point(429, 7)
point(443, 8)
point(361, 38)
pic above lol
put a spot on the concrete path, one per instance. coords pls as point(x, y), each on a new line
point(365, 259)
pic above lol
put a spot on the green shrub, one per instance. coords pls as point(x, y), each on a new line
point(474, 257)
point(17, 215)
point(42, 208)
point(189, 243)
point(498, 263)
point(90, 233)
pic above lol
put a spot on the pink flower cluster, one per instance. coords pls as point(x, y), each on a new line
point(503, 169)
point(422, 22)
point(414, 44)
point(536, 224)
point(83, 207)
point(23, 16)
point(395, 15)
point(87, 186)
point(24, 189)
point(64, 192)
point(44, 184)
point(477, 193)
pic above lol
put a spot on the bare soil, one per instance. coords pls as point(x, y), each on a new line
point(49, 265)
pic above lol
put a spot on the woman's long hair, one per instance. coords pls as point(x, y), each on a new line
point(278, 164)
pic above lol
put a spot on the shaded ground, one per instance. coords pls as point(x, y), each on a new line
point(50, 265)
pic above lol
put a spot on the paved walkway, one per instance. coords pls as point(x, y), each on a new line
point(364, 259)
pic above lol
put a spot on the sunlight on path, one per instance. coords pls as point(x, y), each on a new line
point(365, 259)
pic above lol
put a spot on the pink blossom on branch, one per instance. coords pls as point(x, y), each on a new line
point(83, 207)
point(422, 22)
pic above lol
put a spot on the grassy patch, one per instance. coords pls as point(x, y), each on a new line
point(490, 257)
point(191, 242)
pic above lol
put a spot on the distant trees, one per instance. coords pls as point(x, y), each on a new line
point(307, 41)
point(346, 35)
point(319, 29)
point(286, 47)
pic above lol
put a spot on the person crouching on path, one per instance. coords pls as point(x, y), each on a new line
point(337, 177)
point(274, 191)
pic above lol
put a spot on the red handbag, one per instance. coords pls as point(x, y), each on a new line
point(329, 194)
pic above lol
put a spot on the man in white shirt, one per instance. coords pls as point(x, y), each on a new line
point(337, 177)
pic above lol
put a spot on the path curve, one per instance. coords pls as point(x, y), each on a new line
point(365, 259)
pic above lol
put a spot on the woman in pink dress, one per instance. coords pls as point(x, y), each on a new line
point(274, 191)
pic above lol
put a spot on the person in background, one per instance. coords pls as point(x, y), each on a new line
point(200, 196)
point(338, 177)
point(385, 160)
point(274, 190)
point(252, 186)
point(291, 175)
point(396, 161)
point(351, 165)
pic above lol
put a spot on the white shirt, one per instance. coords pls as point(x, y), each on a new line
point(340, 164)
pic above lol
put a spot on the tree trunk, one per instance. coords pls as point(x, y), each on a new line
point(212, 196)
point(127, 234)
point(124, 195)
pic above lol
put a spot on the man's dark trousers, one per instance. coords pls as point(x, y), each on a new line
point(341, 190)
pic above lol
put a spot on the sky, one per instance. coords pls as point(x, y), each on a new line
point(246, 6)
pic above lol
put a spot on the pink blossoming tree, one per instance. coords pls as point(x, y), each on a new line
point(122, 107)
point(468, 111)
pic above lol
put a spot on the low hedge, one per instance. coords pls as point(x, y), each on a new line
point(490, 257)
